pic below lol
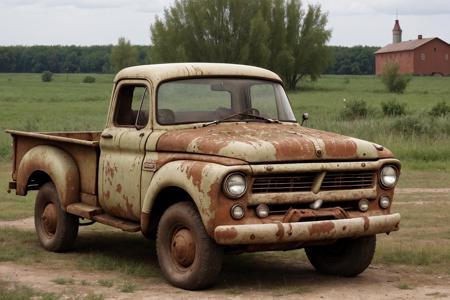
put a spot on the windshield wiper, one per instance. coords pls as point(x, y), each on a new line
point(242, 113)
point(260, 118)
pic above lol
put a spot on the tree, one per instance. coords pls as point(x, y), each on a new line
point(123, 55)
point(276, 34)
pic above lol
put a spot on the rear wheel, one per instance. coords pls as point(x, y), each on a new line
point(188, 257)
point(346, 257)
point(56, 229)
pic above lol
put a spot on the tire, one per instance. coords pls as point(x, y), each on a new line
point(196, 263)
point(346, 257)
point(56, 229)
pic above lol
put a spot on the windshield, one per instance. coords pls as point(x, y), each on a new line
point(213, 99)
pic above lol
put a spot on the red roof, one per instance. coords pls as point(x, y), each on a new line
point(397, 26)
point(406, 46)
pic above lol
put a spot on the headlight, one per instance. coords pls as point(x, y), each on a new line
point(388, 176)
point(235, 185)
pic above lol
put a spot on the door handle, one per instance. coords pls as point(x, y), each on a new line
point(107, 135)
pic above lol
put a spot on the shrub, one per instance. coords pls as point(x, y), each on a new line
point(410, 125)
point(440, 110)
point(393, 80)
point(355, 109)
point(393, 108)
point(46, 76)
point(89, 79)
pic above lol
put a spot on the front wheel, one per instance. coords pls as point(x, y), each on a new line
point(187, 256)
point(56, 229)
point(346, 257)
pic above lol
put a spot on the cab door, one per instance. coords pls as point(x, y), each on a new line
point(122, 146)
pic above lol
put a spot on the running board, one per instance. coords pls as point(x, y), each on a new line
point(97, 214)
point(117, 222)
point(83, 210)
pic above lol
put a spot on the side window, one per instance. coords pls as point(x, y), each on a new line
point(263, 99)
point(132, 106)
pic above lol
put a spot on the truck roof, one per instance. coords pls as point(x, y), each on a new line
point(161, 72)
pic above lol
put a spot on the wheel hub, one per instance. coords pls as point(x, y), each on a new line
point(49, 218)
point(183, 247)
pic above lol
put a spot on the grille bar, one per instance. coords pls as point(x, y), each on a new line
point(348, 180)
point(285, 183)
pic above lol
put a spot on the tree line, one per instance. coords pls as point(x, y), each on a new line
point(62, 59)
point(357, 60)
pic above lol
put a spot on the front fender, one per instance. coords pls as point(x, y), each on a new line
point(201, 180)
point(58, 165)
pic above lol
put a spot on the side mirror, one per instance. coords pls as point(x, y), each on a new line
point(305, 117)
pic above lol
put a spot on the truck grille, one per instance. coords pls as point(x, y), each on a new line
point(285, 183)
point(348, 180)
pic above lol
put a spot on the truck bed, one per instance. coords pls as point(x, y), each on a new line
point(82, 146)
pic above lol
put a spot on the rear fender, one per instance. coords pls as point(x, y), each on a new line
point(58, 165)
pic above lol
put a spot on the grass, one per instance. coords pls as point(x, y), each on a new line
point(63, 104)
point(127, 287)
point(404, 286)
point(105, 282)
point(419, 140)
point(9, 291)
point(63, 281)
point(95, 251)
point(93, 296)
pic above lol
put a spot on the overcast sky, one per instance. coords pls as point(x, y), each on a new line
point(98, 22)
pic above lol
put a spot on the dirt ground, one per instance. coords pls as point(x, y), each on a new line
point(378, 281)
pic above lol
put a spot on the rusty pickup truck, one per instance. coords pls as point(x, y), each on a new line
point(209, 159)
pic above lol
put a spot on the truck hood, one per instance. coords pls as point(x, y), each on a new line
point(262, 142)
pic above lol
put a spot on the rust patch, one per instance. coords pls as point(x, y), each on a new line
point(129, 207)
point(106, 195)
point(246, 141)
point(194, 173)
point(228, 234)
point(321, 228)
point(119, 188)
point(366, 223)
point(110, 171)
point(280, 231)
point(340, 148)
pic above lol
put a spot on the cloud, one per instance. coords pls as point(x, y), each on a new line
point(148, 6)
point(386, 7)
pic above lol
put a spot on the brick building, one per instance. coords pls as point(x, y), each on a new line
point(424, 56)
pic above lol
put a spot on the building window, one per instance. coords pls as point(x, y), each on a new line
point(434, 49)
point(422, 56)
point(446, 56)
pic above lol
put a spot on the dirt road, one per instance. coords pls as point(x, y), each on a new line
point(258, 276)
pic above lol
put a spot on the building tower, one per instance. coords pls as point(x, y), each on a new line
point(396, 33)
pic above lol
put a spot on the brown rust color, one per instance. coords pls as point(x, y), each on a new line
point(288, 142)
point(322, 227)
point(228, 234)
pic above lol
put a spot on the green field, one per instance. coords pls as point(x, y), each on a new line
point(418, 139)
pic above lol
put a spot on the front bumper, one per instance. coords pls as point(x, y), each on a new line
point(274, 233)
